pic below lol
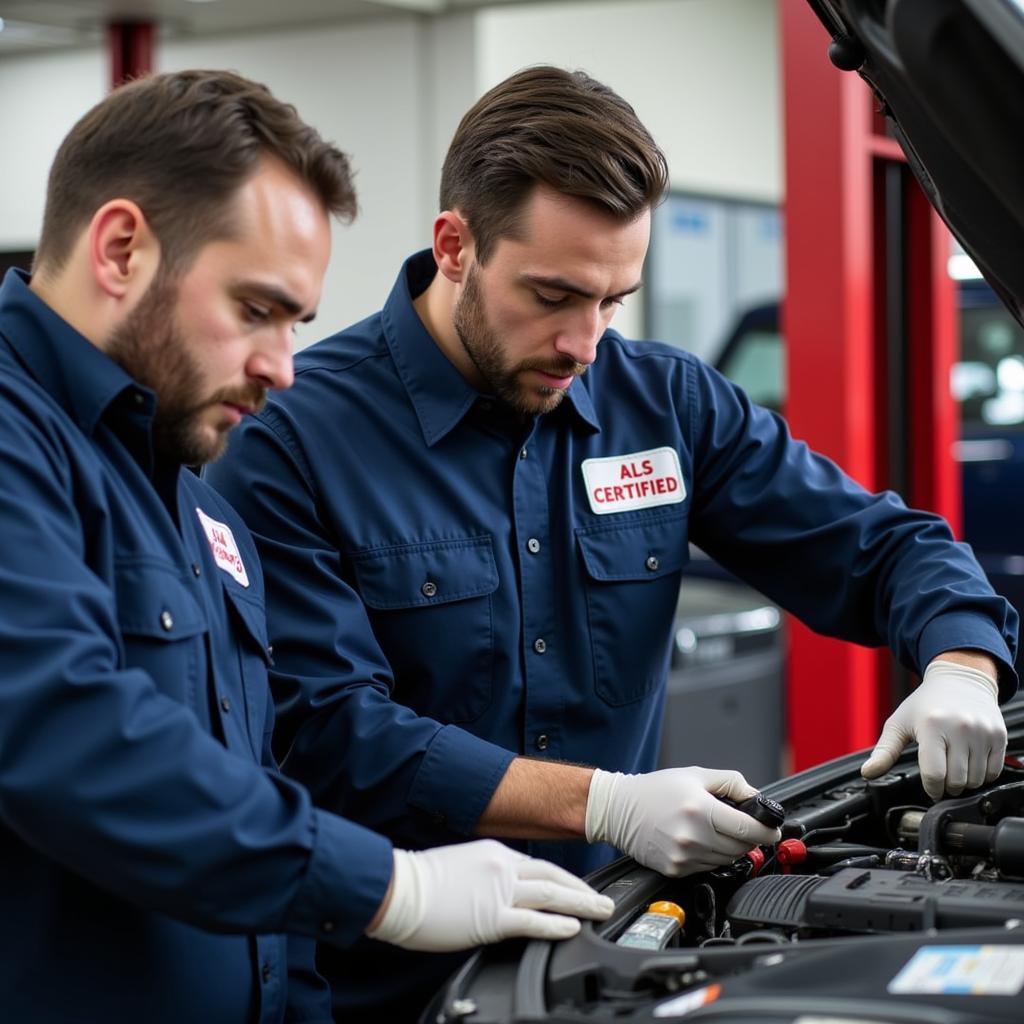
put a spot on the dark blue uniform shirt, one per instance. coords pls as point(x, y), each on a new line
point(149, 866)
point(451, 584)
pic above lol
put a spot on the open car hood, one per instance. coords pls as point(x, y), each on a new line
point(950, 78)
point(899, 911)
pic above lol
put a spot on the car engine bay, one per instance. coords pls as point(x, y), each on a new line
point(868, 875)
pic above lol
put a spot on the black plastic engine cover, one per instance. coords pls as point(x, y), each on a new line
point(777, 901)
point(873, 900)
point(877, 900)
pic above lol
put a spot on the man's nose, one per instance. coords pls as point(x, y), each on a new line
point(271, 363)
point(579, 339)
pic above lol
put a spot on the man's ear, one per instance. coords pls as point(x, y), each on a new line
point(124, 254)
point(453, 245)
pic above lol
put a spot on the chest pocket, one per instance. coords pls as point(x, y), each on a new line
point(161, 622)
point(632, 572)
point(431, 610)
point(249, 619)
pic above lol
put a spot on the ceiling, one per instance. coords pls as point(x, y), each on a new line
point(33, 25)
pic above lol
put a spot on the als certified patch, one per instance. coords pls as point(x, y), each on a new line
point(224, 548)
point(620, 483)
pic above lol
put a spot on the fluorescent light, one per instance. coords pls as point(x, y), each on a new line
point(962, 268)
point(30, 35)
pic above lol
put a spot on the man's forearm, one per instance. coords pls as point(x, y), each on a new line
point(538, 800)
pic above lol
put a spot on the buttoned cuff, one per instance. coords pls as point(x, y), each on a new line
point(348, 874)
point(457, 778)
point(962, 631)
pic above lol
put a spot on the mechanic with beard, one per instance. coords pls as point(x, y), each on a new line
point(473, 509)
point(152, 859)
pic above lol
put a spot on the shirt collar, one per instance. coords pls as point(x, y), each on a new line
point(578, 396)
point(73, 371)
point(440, 394)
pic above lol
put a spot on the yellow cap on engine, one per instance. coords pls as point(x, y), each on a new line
point(669, 909)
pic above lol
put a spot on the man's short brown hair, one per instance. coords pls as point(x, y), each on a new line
point(547, 126)
point(180, 145)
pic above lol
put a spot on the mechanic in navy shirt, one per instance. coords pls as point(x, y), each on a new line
point(152, 860)
point(474, 508)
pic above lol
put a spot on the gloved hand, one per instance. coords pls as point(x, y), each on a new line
point(954, 716)
point(457, 897)
point(671, 820)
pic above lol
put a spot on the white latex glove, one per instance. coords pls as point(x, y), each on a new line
point(457, 897)
point(671, 820)
point(954, 716)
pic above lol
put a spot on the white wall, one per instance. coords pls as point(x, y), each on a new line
point(359, 86)
point(702, 74)
point(41, 97)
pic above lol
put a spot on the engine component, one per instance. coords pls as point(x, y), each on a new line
point(772, 901)
point(874, 900)
point(790, 853)
point(1004, 842)
point(656, 928)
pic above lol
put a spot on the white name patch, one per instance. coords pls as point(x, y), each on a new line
point(224, 548)
point(620, 483)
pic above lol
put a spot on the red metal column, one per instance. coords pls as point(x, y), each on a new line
point(828, 325)
point(130, 44)
point(934, 343)
point(836, 329)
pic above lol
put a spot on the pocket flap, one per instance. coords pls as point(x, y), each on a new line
point(638, 550)
point(253, 617)
point(420, 575)
point(154, 601)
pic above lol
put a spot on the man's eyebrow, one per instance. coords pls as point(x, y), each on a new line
point(274, 297)
point(560, 284)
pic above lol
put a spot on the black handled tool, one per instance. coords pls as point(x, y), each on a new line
point(761, 808)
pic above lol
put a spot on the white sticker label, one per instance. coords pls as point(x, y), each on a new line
point(621, 483)
point(224, 548)
point(963, 970)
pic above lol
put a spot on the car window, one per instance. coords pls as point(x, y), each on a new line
point(757, 362)
point(989, 379)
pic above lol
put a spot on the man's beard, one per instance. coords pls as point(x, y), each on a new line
point(151, 347)
point(483, 347)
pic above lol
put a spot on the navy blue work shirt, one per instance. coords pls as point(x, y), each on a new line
point(149, 866)
point(450, 583)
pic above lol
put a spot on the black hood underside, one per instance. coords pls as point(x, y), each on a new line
point(949, 75)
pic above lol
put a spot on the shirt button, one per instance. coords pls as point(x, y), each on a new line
point(138, 398)
point(533, 545)
point(428, 589)
point(486, 406)
point(266, 973)
point(541, 742)
point(652, 562)
point(166, 621)
point(327, 927)
point(196, 571)
point(522, 453)
point(270, 650)
point(225, 703)
point(539, 645)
